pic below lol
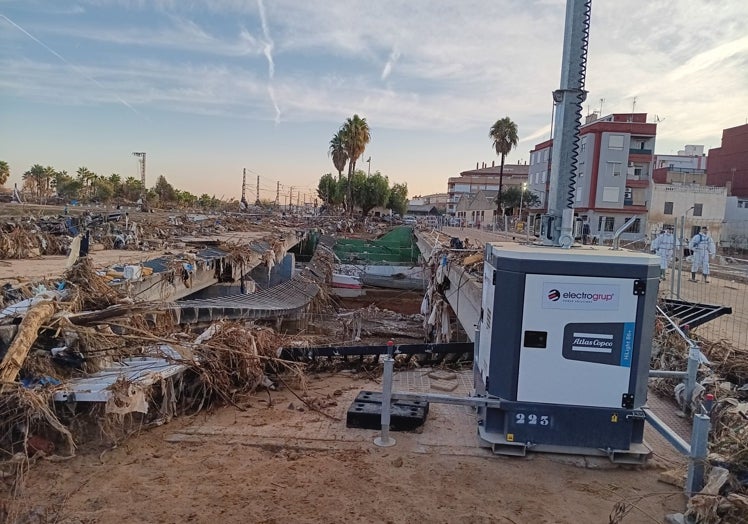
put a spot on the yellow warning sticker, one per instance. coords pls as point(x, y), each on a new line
point(510, 437)
point(614, 417)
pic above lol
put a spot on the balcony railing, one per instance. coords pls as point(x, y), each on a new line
point(634, 151)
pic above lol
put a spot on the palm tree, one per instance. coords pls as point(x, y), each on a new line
point(86, 177)
point(504, 136)
point(4, 172)
point(337, 152)
point(356, 136)
point(37, 178)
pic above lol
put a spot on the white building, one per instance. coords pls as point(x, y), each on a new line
point(698, 205)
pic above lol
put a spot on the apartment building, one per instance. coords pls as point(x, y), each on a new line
point(614, 172)
point(482, 178)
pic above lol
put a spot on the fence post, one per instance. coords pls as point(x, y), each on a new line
point(697, 457)
point(692, 370)
point(384, 440)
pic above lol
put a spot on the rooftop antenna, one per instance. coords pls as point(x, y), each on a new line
point(633, 106)
point(601, 106)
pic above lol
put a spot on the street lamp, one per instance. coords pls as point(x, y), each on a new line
point(521, 197)
point(368, 171)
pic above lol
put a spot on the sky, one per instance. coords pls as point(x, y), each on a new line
point(210, 87)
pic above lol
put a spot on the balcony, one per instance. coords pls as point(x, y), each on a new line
point(637, 151)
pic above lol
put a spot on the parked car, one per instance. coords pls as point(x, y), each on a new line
point(409, 220)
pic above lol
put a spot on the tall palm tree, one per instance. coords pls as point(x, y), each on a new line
point(337, 152)
point(37, 179)
point(4, 172)
point(504, 136)
point(356, 136)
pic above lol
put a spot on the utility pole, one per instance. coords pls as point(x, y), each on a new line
point(141, 160)
point(277, 193)
point(257, 202)
point(244, 188)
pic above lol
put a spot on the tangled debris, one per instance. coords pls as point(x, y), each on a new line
point(725, 377)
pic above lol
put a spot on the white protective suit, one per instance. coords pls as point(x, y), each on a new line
point(703, 247)
point(664, 245)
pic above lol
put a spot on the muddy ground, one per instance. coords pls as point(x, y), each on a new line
point(287, 463)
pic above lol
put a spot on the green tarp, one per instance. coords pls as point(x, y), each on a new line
point(396, 247)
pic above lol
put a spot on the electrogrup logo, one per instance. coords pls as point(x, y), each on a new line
point(557, 295)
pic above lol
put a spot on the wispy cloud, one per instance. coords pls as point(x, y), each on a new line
point(393, 58)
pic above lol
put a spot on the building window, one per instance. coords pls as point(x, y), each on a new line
point(614, 168)
point(637, 172)
point(611, 194)
point(605, 224)
point(668, 208)
point(697, 209)
point(635, 227)
point(615, 142)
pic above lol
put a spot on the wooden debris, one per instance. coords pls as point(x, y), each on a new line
point(28, 330)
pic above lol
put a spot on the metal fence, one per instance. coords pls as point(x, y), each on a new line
point(727, 282)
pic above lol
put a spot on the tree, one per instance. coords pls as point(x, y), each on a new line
point(131, 189)
point(356, 136)
point(164, 190)
point(37, 180)
point(86, 178)
point(514, 196)
point(398, 201)
point(376, 192)
point(504, 136)
point(4, 172)
point(338, 152)
point(328, 190)
point(102, 189)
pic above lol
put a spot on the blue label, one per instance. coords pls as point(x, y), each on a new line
point(627, 349)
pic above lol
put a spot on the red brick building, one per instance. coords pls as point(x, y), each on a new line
point(728, 164)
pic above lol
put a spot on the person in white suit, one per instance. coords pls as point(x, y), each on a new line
point(664, 245)
point(703, 248)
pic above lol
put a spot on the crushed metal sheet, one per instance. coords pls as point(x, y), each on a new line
point(140, 372)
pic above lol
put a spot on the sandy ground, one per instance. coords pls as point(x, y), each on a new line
point(285, 463)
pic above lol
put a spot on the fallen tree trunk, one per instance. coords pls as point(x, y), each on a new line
point(28, 330)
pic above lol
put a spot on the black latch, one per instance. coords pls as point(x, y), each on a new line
point(493, 279)
point(640, 287)
point(627, 401)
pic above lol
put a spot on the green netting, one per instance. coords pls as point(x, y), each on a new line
point(396, 247)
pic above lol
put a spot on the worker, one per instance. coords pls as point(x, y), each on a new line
point(702, 247)
point(664, 245)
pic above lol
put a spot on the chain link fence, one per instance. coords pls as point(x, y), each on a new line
point(727, 281)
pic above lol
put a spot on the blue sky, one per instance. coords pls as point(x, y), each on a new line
point(208, 87)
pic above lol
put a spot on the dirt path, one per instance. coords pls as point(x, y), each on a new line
point(285, 463)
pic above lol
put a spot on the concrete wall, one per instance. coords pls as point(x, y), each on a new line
point(712, 199)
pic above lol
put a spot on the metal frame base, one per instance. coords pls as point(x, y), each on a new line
point(637, 454)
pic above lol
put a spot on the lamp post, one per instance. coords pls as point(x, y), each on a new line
point(368, 170)
point(521, 198)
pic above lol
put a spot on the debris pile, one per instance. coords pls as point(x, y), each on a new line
point(724, 375)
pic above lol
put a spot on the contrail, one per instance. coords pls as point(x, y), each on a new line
point(268, 52)
point(268, 48)
point(73, 66)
